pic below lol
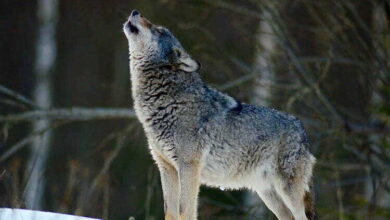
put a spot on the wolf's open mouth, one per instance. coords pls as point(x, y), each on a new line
point(133, 29)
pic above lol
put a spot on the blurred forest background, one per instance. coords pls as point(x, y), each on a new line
point(69, 141)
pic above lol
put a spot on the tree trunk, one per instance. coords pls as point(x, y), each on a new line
point(263, 62)
point(45, 59)
point(262, 90)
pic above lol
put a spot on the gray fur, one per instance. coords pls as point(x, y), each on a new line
point(191, 125)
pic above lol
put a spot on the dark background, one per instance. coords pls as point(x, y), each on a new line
point(325, 61)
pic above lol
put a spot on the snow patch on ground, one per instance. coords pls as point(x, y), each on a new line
point(24, 214)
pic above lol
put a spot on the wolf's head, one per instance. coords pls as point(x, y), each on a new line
point(156, 44)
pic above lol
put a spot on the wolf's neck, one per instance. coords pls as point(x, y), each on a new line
point(158, 86)
point(162, 96)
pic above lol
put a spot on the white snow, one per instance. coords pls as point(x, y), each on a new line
point(24, 214)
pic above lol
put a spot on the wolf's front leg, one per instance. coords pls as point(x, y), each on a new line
point(189, 175)
point(170, 186)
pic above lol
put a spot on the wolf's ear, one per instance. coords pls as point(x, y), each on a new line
point(185, 62)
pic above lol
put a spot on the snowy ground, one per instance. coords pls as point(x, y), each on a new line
point(23, 214)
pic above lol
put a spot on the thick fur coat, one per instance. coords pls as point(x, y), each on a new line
point(198, 135)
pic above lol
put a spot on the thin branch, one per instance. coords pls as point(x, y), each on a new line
point(112, 136)
point(302, 71)
point(238, 81)
point(107, 163)
point(366, 128)
point(339, 195)
point(17, 96)
point(22, 143)
point(105, 169)
point(234, 8)
point(13, 103)
point(340, 166)
point(251, 73)
point(75, 114)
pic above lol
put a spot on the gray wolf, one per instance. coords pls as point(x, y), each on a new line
point(198, 135)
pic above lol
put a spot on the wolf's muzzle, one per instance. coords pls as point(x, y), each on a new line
point(134, 13)
point(132, 22)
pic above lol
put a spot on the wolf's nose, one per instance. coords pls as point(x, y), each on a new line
point(134, 13)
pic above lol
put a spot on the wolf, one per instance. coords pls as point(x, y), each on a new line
point(198, 135)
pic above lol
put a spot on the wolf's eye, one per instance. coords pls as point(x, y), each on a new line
point(159, 30)
point(178, 53)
